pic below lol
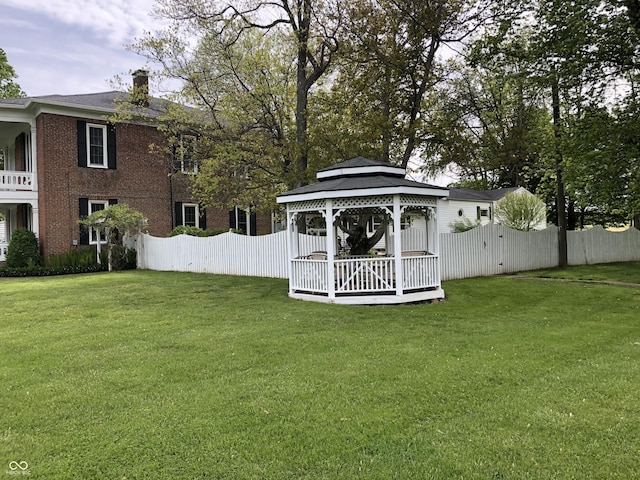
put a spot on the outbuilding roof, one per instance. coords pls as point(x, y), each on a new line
point(479, 195)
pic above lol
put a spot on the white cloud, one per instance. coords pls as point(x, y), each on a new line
point(117, 21)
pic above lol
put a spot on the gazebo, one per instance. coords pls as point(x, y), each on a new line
point(363, 234)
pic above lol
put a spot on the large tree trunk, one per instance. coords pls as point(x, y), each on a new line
point(563, 261)
point(302, 91)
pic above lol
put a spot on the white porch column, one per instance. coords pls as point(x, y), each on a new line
point(397, 243)
point(34, 158)
point(35, 220)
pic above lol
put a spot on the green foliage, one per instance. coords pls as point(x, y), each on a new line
point(462, 225)
point(40, 271)
point(489, 129)
point(77, 257)
point(116, 220)
point(520, 211)
point(81, 260)
point(23, 250)
point(8, 87)
point(198, 232)
point(493, 120)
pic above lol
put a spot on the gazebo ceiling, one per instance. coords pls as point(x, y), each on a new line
point(361, 176)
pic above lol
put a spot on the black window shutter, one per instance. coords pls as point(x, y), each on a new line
point(203, 218)
point(111, 147)
point(114, 201)
point(252, 223)
point(82, 143)
point(84, 212)
point(232, 219)
point(178, 214)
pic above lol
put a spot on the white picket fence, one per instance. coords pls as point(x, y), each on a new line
point(482, 251)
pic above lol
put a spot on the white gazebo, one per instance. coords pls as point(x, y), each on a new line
point(363, 234)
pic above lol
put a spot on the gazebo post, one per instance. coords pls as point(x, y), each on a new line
point(436, 243)
point(292, 232)
point(397, 243)
point(331, 248)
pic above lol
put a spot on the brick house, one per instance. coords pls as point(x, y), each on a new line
point(61, 159)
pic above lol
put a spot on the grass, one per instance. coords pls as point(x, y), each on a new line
point(174, 375)
point(627, 272)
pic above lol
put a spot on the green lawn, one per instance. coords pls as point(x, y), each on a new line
point(153, 375)
point(628, 272)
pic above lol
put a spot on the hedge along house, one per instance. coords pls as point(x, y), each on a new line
point(378, 240)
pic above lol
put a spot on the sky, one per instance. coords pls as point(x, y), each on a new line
point(72, 46)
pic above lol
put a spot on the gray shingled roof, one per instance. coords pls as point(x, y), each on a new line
point(356, 162)
point(482, 195)
point(101, 100)
point(359, 182)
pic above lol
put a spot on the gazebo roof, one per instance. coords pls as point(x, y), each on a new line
point(361, 177)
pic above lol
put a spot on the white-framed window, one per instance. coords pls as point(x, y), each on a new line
point(190, 215)
point(96, 146)
point(185, 153)
point(95, 206)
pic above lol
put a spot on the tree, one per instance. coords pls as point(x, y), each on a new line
point(8, 87)
point(520, 211)
point(389, 64)
point(490, 127)
point(112, 223)
point(308, 27)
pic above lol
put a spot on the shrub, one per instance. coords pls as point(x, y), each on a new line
point(78, 257)
point(520, 211)
point(198, 232)
point(462, 225)
point(23, 249)
point(187, 230)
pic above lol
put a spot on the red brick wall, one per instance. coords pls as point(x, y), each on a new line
point(140, 180)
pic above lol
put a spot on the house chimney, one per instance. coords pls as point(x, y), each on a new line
point(141, 88)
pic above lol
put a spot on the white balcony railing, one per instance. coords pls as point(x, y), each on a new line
point(12, 180)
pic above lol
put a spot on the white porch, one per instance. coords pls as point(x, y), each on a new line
point(16, 181)
point(18, 176)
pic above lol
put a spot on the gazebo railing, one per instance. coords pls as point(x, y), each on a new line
point(309, 275)
point(364, 275)
point(419, 272)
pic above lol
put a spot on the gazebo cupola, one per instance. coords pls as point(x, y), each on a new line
point(363, 234)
